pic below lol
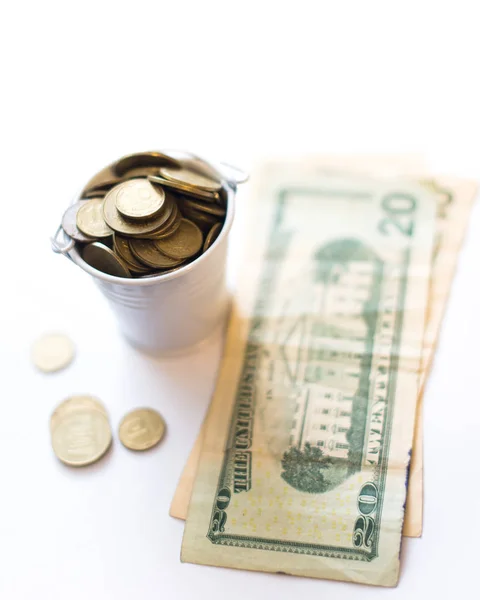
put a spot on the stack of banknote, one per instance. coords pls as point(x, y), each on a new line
point(310, 458)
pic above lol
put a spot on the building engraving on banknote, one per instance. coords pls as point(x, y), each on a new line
point(337, 363)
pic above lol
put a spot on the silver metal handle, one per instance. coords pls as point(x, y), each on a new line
point(218, 170)
point(58, 247)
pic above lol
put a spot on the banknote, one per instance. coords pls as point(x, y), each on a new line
point(307, 443)
point(383, 165)
point(454, 201)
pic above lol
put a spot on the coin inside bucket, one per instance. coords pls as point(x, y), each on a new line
point(177, 202)
point(100, 257)
point(139, 199)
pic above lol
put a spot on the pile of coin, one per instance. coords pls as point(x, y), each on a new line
point(81, 433)
point(147, 214)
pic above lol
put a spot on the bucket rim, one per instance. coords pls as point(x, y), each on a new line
point(76, 257)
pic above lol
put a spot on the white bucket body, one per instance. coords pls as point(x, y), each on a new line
point(171, 312)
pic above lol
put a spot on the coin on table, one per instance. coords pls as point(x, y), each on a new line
point(120, 224)
point(103, 259)
point(141, 429)
point(53, 352)
point(184, 243)
point(147, 252)
point(90, 219)
point(69, 223)
point(76, 403)
point(80, 437)
point(191, 178)
point(212, 236)
point(139, 199)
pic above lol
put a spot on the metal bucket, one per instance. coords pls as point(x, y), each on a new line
point(170, 312)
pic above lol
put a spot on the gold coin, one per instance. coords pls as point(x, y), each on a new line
point(122, 248)
point(138, 172)
point(90, 219)
point(97, 193)
point(191, 178)
point(205, 207)
point(142, 159)
point(102, 180)
point(122, 225)
point(222, 200)
point(141, 429)
point(147, 252)
point(212, 236)
point(100, 257)
point(184, 243)
point(196, 192)
point(80, 437)
point(52, 352)
point(69, 223)
point(171, 225)
point(76, 403)
point(139, 199)
point(204, 220)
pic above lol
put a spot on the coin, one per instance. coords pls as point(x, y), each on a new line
point(171, 225)
point(195, 163)
point(191, 178)
point(96, 193)
point(137, 172)
point(182, 244)
point(147, 252)
point(205, 207)
point(122, 248)
point(203, 221)
point(212, 236)
point(147, 197)
point(69, 223)
point(90, 219)
point(76, 403)
point(142, 159)
point(103, 179)
point(100, 257)
point(139, 199)
point(122, 225)
point(141, 429)
point(52, 352)
point(196, 192)
point(80, 437)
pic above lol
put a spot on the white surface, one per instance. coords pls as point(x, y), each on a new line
point(84, 83)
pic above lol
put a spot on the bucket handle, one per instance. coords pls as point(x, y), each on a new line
point(241, 176)
point(62, 248)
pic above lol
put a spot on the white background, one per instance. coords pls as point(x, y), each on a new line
point(83, 83)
